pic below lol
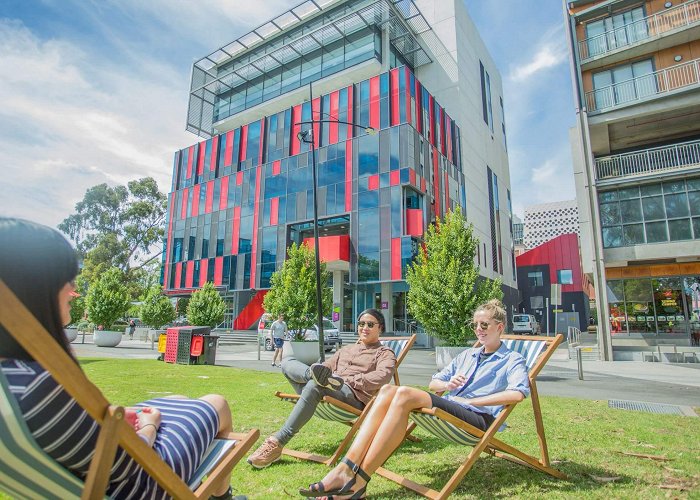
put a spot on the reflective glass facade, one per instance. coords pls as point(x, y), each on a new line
point(651, 213)
point(240, 198)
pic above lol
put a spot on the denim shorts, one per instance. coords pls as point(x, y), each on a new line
point(278, 342)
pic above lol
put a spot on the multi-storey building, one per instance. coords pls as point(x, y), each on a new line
point(408, 123)
point(636, 72)
point(546, 221)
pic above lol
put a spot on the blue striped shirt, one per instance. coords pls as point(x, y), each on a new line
point(504, 370)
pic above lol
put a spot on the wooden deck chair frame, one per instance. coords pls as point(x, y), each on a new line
point(336, 411)
point(485, 441)
point(114, 431)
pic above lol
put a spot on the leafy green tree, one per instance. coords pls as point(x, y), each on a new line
point(293, 290)
point(157, 310)
point(206, 307)
point(119, 226)
point(107, 299)
point(444, 283)
point(77, 305)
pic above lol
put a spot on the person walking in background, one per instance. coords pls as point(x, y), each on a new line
point(279, 331)
point(132, 329)
point(352, 375)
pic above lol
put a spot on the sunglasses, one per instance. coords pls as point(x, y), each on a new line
point(480, 324)
point(368, 324)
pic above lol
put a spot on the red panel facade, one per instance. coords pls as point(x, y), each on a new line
point(203, 269)
point(274, 210)
point(195, 200)
point(395, 177)
point(189, 274)
point(348, 176)
point(218, 270)
point(236, 230)
point(333, 126)
point(396, 258)
point(223, 197)
point(394, 92)
point(373, 182)
point(332, 248)
point(209, 201)
point(214, 153)
point(414, 221)
point(228, 155)
point(374, 102)
point(559, 253)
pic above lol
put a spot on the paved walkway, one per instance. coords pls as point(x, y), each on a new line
point(677, 384)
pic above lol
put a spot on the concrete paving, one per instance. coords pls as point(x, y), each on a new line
point(677, 384)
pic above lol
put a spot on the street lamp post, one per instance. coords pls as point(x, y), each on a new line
point(308, 137)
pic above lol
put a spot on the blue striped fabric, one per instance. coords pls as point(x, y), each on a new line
point(26, 471)
point(217, 449)
point(529, 349)
point(395, 345)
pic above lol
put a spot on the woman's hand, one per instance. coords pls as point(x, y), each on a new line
point(455, 382)
point(148, 416)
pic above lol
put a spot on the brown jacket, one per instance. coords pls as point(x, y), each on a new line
point(365, 369)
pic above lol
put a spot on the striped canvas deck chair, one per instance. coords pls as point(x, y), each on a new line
point(26, 471)
point(536, 351)
point(334, 410)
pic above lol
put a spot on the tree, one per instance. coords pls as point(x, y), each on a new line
point(156, 310)
point(444, 283)
point(118, 226)
point(107, 300)
point(206, 307)
point(293, 290)
point(77, 305)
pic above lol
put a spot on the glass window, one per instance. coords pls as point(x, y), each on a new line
point(609, 213)
point(694, 201)
point(631, 210)
point(696, 227)
point(612, 236)
point(535, 278)
point(565, 277)
point(674, 187)
point(679, 229)
point(653, 208)
point(650, 190)
point(633, 234)
point(656, 232)
point(676, 205)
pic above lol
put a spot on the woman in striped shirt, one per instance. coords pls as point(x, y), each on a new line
point(39, 266)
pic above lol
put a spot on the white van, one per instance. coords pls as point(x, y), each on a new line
point(525, 323)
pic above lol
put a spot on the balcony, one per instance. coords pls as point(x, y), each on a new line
point(645, 87)
point(681, 156)
point(654, 26)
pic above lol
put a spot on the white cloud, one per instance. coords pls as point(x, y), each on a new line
point(548, 56)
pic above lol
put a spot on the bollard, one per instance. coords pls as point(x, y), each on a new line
point(579, 361)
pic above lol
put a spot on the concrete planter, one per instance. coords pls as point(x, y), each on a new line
point(107, 338)
point(306, 352)
point(445, 355)
point(71, 334)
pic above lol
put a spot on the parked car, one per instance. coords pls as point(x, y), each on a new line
point(331, 336)
point(525, 323)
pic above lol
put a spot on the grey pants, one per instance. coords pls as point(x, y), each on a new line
point(311, 394)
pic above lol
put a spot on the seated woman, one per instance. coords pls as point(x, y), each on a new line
point(39, 266)
point(478, 383)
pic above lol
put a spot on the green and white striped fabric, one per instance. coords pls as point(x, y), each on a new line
point(529, 349)
point(216, 451)
point(395, 345)
point(26, 471)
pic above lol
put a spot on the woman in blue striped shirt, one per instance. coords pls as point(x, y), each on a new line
point(39, 266)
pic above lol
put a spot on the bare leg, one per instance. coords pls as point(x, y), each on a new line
point(225, 427)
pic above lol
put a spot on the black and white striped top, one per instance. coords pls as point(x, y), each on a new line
point(69, 435)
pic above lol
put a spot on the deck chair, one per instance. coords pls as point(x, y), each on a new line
point(336, 411)
point(536, 351)
point(26, 471)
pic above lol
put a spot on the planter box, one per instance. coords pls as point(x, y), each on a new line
point(71, 334)
point(106, 338)
point(306, 352)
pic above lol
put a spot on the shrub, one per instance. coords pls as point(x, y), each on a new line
point(206, 307)
point(157, 310)
point(107, 300)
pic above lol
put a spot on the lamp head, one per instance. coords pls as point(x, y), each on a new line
point(305, 135)
point(371, 130)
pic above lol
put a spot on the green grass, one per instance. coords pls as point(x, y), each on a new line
point(586, 440)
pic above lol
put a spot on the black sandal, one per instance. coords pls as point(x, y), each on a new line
point(317, 489)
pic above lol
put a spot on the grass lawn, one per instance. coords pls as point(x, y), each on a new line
point(587, 441)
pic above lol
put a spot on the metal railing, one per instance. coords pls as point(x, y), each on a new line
point(645, 87)
point(410, 327)
point(649, 161)
point(647, 27)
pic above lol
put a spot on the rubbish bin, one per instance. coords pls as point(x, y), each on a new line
point(178, 342)
point(208, 356)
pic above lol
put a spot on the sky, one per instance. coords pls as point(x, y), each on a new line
point(96, 91)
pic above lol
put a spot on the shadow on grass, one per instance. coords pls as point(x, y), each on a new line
point(87, 361)
point(492, 476)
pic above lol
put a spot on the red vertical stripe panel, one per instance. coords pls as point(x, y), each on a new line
point(333, 126)
point(374, 102)
point(228, 155)
point(189, 274)
point(223, 198)
point(408, 95)
point(436, 186)
point(316, 115)
point(183, 210)
point(394, 92)
point(203, 271)
point(256, 218)
point(190, 157)
point(178, 276)
point(244, 143)
point(172, 197)
point(214, 153)
point(209, 203)
point(276, 167)
point(274, 210)
point(296, 128)
point(395, 177)
point(351, 131)
point(218, 270)
point(200, 157)
point(195, 200)
point(396, 258)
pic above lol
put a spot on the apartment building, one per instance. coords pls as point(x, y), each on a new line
point(636, 148)
point(405, 109)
